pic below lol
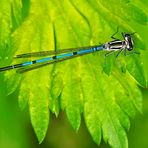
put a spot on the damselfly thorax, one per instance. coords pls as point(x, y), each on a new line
point(115, 45)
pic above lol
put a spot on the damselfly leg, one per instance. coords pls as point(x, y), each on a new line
point(105, 57)
point(120, 52)
point(109, 53)
point(130, 53)
point(113, 36)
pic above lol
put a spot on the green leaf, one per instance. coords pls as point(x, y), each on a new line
point(72, 95)
point(104, 92)
point(38, 105)
point(56, 89)
point(135, 68)
point(108, 63)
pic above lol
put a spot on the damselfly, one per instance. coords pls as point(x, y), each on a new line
point(60, 55)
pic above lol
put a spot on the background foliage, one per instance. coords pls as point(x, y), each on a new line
point(80, 86)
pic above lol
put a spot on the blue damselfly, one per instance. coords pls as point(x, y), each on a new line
point(60, 55)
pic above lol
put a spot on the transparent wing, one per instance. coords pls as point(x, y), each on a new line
point(52, 52)
point(39, 65)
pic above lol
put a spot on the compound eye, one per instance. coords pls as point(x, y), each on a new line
point(130, 45)
point(127, 35)
point(130, 48)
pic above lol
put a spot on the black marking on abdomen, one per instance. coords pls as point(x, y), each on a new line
point(33, 62)
point(54, 57)
point(75, 53)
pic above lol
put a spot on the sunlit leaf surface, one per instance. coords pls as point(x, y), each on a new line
point(105, 92)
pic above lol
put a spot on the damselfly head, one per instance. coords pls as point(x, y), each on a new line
point(128, 41)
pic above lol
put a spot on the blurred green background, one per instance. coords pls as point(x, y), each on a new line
point(16, 130)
